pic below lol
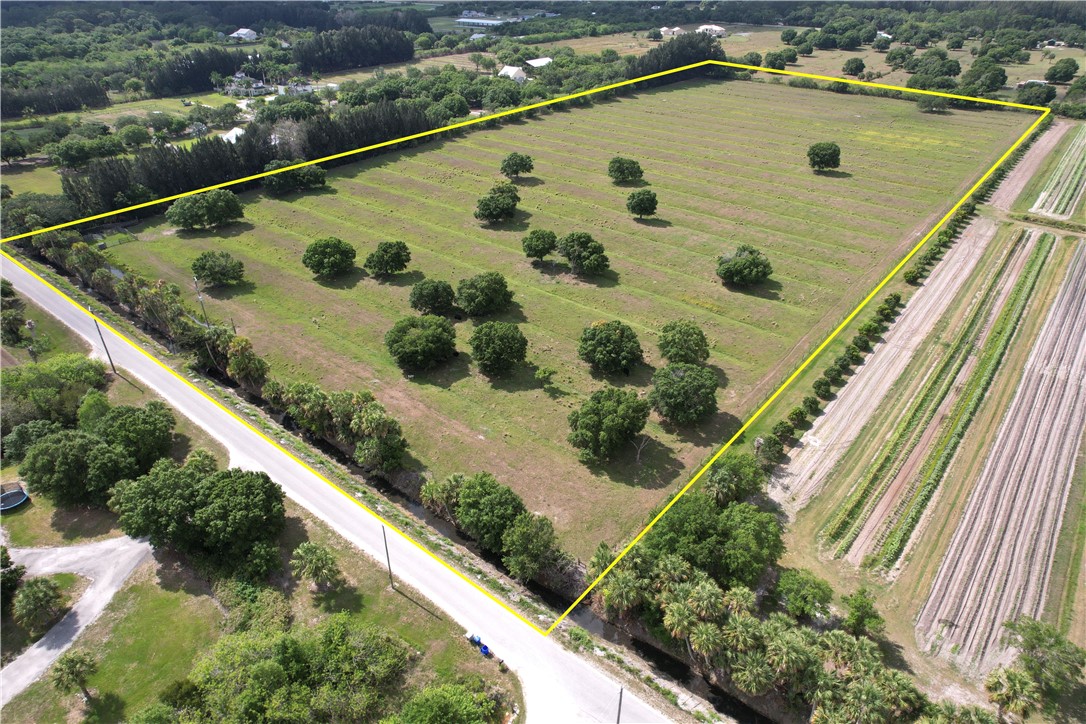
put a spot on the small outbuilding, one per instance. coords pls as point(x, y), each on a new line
point(540, 62)
point(514, 73)
point(244, 35)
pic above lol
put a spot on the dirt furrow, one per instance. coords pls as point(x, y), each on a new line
point(1011, 187)
point(998, 562)
point(903, 483)
point(816, 454)
point(1069, 170)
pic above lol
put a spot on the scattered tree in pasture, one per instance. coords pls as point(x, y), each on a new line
point(812, 405)
point(539, 243)
point(217, 268)
point(606, 421)
point(528, 545)
point(585, 255)
point(37, 604)
point(493, 208)
point(683, 341)
point(797, 416)
point(71, 671)
point(654, 34)
point(783, 430)
point(486, 509)
point(1062, 71)
point(610, 347)
point(432, 296)
point(788, 35)
point(284, 182)
point(774, 60)
point(822, 388)
point(486, 293)
point(734, 477)
point(744, 268)
point(207, 210)
point(853, 66)
point(329, 257)
point(12, 148)
point(683, 393)
point(421, 343)
point(624, 170)
point(134, 136)
point(388, 258)
point(862, 618)
point(824, 155)
point(315, 563)
point(931, 104)
point(515, 164)
point(804, 595)
point(870, 329)
point(805, 49)
point(642, 203)
point(498, 347)
point(881, 44)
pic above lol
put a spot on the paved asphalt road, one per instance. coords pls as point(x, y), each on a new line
point(558, 686)
point(108, 564)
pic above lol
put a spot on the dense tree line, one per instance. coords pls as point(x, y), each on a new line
point(54, 98)
point(352, 47)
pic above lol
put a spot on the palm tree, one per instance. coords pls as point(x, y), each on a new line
point(72, 670)
point(37, 603)
point(706, 640)
point(316, 563)
point(863, 702)
point(786, 654)
point(679, 619)
point(903, 699)
point(669, 571)
point(621, 591)
point(707, 599)
point(838, 646)
point(751, 673)
point(1013, 691)
point(739, 599)
point(742, 633)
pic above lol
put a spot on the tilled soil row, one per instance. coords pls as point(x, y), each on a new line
point(999, 560)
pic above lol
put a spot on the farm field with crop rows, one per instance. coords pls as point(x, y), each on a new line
point(1011, 523)
point(727, 161)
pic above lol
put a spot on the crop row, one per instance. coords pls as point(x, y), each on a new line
point(910, 510)
point(1065, 184)
point(846, 525)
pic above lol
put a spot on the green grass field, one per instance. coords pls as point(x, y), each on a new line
point(27, 177)
point(728, 163)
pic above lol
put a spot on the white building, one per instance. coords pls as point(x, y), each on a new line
point(245, 35)
point(668, 32)
point(513, 72)
point(540, 62)
point(233, 134)
point(714, 30)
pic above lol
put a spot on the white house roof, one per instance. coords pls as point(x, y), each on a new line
point(233, 134)
point(710, 29)
point(245, 34)
point(540, 62)
point(477, 36)
point(512, 71)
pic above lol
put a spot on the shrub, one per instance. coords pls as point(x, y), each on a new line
point(485, 509)
point(485, 293)
point(797, 416)
point(783, 430)
point(498, 347)
point(683, 341)
point(328, 257)
point(812, 405)
point(389, 258)
point(216, 268)
point(822, 388)
point(432, 296)
point(770, 451)
point(610, 347)
point(683, 393)
point(861, 343)
point(421, 342)
point(746, 267)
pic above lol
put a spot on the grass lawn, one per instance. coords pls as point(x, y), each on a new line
point(50, 337)
point(14, 639)
point(30, 178)
point(728, 163)
point(147, 637)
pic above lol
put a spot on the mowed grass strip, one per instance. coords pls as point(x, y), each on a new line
point(728, 163)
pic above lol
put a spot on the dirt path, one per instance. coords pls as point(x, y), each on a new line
point(879, 518)
point(998, 563)
point(817, 453)
point(107, 563)
point(1011, 187)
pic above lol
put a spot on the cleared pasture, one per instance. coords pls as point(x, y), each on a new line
point(728, 163)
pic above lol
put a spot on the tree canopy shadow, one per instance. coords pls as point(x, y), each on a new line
point(721, 375)
point(1072, 706)
point(528, 181)
point(347, 280)
point(834, 173)
point(606, 280)
point(76, 521)
point(339, 596)
point(637, 184)
point(402, 279)
point(658, 466)
point(654, 223)
point(519, 222)
point(769, 289)
point(519, 379)
point(639, 375)
point(229, 291)
point(894, 653)
point(106, 706)
point(174, 574)
point(446, 374)
point(233, 229)
point(707, 433)
point(513, 312)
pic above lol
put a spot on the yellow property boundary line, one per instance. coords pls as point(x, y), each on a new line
point(746, 425)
